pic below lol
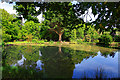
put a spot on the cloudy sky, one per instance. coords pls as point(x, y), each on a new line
point(9, 8)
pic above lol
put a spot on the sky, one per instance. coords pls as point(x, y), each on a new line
point(9, 8)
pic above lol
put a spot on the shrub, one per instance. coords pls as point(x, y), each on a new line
point(6, 37)
point(116, 38)
point(96, 41)
point(79, 41)
point(35, 40)
point(45, 40)
point(51, 42)
point(3, 43)
point(41, 41)
point(58, 42)
point(92, 34)
point(73, 41)
point(106, 38)
point(87, 38)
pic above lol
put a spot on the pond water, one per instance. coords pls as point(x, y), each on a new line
point(57, 62)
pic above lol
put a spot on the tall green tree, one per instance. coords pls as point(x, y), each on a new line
point(10, 29)
point(59, 17)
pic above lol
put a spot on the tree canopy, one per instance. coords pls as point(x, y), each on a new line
point(62, 20)
point(108, 13)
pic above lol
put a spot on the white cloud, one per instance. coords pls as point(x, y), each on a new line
point(37, 8)
point(74, 2)
point(88, 16)
point(8, 7)
point(40, 17)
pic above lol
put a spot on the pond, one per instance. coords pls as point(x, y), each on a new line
point(57, 62)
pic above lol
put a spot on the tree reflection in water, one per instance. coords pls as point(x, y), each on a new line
point(44, 62)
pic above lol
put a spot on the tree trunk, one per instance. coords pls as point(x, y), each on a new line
point(60, 51)
point(60, 37)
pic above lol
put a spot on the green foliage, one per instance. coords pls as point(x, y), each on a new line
point(84, 33)
point(78, 33)
point(51, 42)
point(73, 34)
point(6, 37)
point(106, 38)
point(79, 41)
point(58, 19)
point(32, 28)
point(116, 38)
point(34, 40)
point(105, 18)
point(92, 34)
point(41, 41)
point(10, 29)
point(58, 42)
point(28, 10)
point(29, 37)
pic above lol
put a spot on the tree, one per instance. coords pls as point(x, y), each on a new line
point(10, 29)
point(59, 19)
point(58, 16)
point(108, 14)
point(31, 28)
point(27, 10)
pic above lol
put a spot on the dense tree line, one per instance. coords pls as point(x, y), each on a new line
point(61, 21)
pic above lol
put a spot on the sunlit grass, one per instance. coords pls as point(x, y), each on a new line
point(84, 46)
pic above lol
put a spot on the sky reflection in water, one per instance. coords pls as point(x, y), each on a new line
point(89, 67)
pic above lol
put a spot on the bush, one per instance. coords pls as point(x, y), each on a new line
point(96, 41)
point(106, 39)
point(34, 40)
point(41, 41)
point(45, 40)
point(87, 38)
point(51, 42)
point(58, 42)
point(116, 38)
point(6, 37)
point(92, 34)
point(73, 40)
point(79, 41)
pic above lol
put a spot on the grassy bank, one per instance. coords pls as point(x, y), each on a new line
point(26, 42)
point(75, 46)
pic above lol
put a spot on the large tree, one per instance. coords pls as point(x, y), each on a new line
point(58, 15)
point(108, 14)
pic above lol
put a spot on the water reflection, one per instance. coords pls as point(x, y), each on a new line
point(20, 62)
point(40, 53)
point(39, 64)
point(90, 66)
point(59, 62)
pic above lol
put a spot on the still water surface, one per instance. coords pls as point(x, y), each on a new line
point(58, 62)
